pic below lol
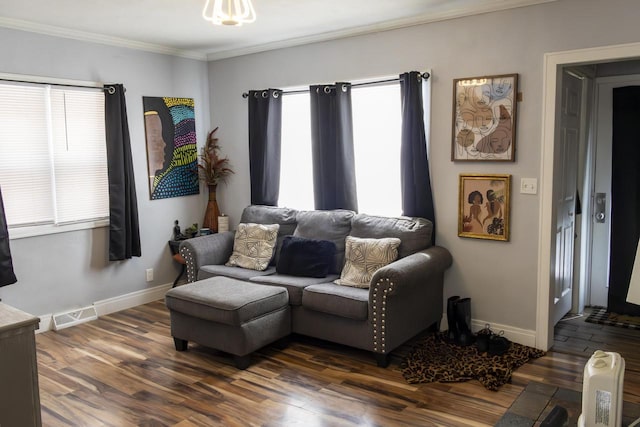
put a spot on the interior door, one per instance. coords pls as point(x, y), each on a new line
point(601, 234)
point(567, 150)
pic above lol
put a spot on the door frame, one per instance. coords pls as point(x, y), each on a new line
point(546, 239)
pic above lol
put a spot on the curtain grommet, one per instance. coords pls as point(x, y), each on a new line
point(344, 88)
point(265, 93)
point(276, 94)
point(327, 89)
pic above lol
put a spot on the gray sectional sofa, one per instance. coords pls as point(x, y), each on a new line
point(404, 297)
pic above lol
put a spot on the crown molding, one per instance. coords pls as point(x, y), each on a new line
point(50, 30)
point(213, 55)
point(477, 9)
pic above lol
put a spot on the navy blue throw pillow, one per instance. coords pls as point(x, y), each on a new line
point(306, 257)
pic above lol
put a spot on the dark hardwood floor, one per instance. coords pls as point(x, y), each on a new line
point(577, 337)
point(122, 370)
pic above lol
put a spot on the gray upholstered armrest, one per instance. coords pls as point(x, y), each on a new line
point(413, 270)
point(407, 292)
point(206, 250)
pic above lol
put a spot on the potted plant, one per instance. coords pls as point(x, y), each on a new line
point(192, 230)
point(212, 170)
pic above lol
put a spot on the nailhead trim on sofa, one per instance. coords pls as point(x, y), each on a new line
point(379, 344)
point(191, 265)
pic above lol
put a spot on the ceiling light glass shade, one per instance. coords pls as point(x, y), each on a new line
point(229, 12)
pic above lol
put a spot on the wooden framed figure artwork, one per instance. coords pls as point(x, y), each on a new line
point(483, 206)
point(484, 118)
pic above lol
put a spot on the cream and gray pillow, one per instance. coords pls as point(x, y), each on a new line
point(253, 246)
point(363, 257)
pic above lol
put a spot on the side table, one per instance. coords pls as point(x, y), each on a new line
point(174, 246)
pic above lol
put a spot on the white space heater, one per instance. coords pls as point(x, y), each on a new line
point(602, 390)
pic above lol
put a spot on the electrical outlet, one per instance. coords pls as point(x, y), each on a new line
point(528, 185)
point(149, 274)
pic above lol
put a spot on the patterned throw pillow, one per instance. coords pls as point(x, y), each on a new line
point(253, 246)
point(363, 257)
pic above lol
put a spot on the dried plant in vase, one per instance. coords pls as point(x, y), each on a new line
point(212, 170)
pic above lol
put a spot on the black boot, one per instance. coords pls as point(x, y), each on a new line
point(463, 322)
point(452, 333)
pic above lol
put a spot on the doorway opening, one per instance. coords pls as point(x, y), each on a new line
point(553, 251)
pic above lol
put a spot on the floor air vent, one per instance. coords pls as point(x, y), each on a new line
point(74, 317)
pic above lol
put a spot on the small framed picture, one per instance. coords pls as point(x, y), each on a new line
point(484, 118)
point(484, 204)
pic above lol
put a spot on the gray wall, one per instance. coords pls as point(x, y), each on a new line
point(621, 68)
point(500, 277)
point(69, 270)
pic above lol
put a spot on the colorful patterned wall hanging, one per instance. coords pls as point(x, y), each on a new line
point(171, 146)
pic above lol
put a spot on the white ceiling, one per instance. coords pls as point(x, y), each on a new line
point(177, 27)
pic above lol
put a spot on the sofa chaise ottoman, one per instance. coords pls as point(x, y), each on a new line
point(229, 315)
point(392, 303)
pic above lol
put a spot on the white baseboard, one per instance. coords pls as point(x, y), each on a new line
point(521, 336)
point(46, 323)
point(112, 305)
point(133, 299)
point(145, 296)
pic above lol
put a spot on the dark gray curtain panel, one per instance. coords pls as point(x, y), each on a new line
point(124, 227)
point(7, 276)
point(265, 131)
point(417, 199)
point(334, 177)
point(625, 198)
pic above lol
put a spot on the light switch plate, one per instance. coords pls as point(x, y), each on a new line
point(528, 186)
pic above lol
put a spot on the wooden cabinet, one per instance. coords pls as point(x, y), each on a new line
point(19, 393)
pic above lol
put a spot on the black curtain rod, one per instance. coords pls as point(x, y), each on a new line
point(424, 75)
point(110, 89)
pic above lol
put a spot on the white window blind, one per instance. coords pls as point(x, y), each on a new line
point(53, 168)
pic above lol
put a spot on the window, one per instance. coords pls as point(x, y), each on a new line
point(377, 135)
point(296, 175)
point(53, 167)
point(377, 128)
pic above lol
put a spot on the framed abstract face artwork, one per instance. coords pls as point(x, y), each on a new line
point(483, 206)
point(170, 136)
point(484, 118)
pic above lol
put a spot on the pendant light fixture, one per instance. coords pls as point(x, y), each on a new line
point(229, 12)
